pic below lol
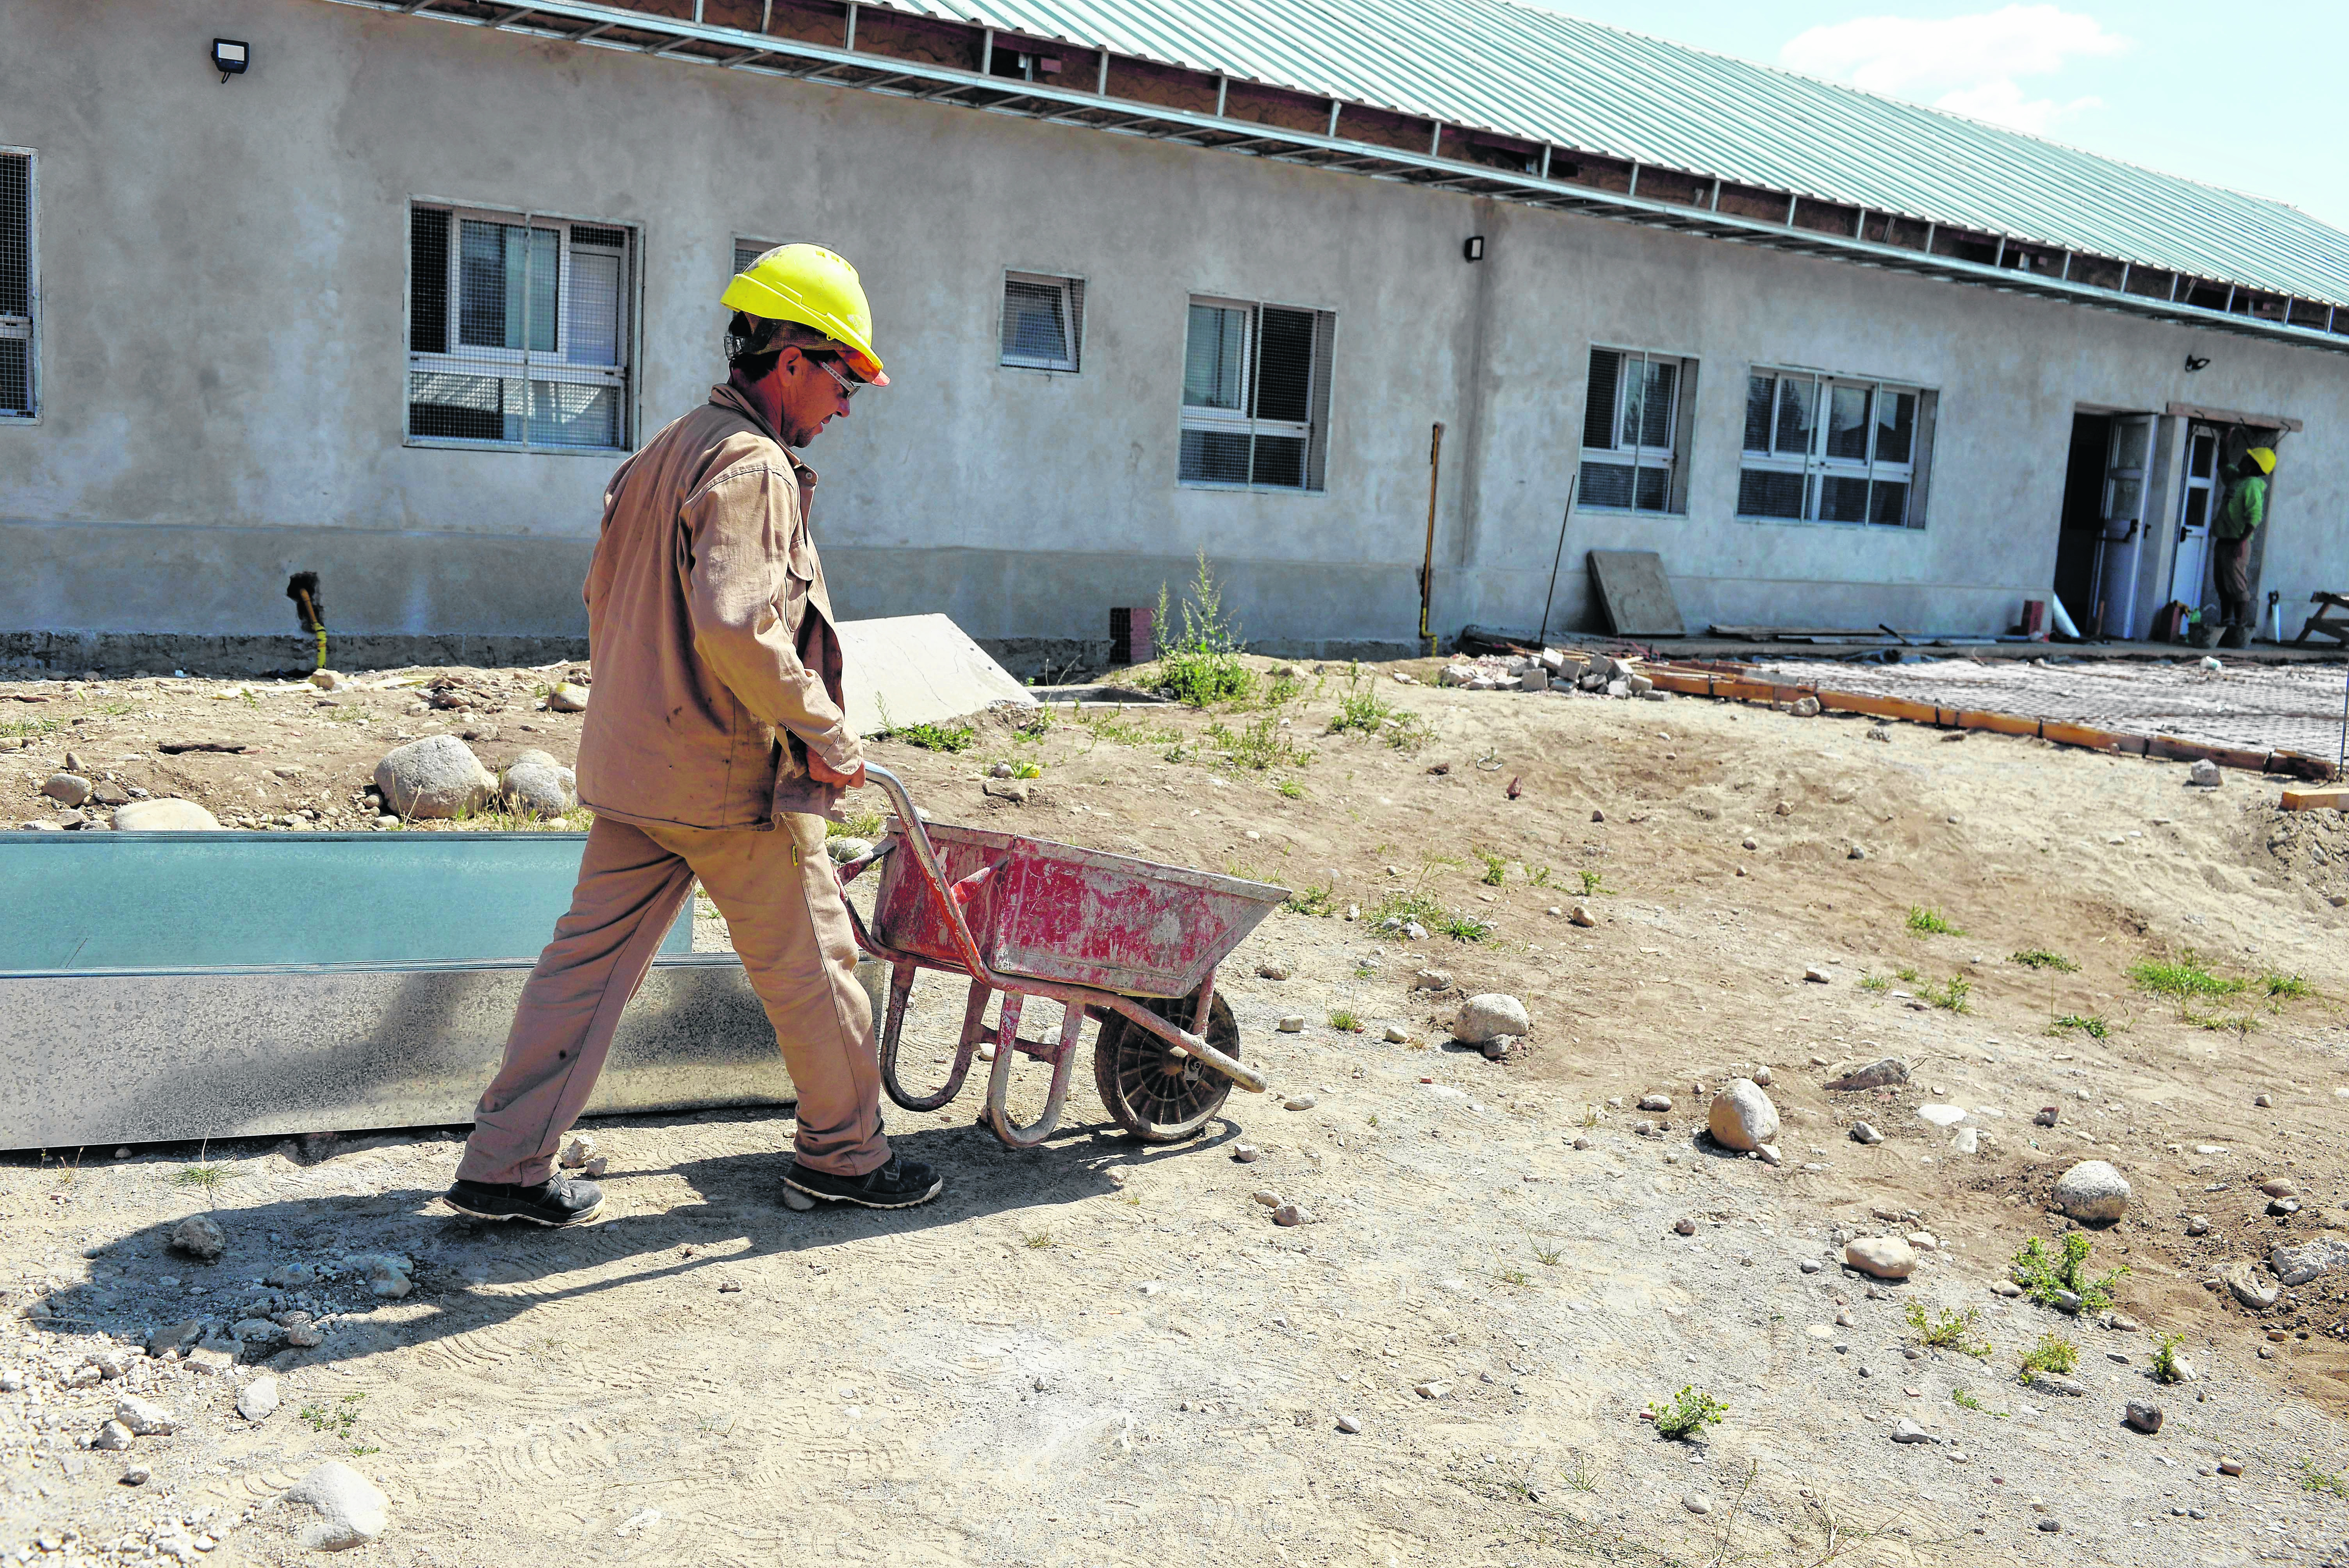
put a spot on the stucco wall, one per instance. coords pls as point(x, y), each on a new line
point(222, 272)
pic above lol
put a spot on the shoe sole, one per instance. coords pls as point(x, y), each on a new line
point(581, 1218)
point(811, 1196)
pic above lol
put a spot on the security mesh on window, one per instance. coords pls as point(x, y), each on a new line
point(749, 251)
point(1256, 396)
point(1831, 449)
point(15, 286)
point(1043, 322)
point(1633, 431)
point(518, 330)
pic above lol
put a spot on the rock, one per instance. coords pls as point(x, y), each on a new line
point(1659, 1102)
point(2205, 773)
point(2264, 1101)
point(1685, 1226)
point(1265, 1196)
point(110, 794)
point(199, 1237)
point(2231, 1466)
point(2056, 1383)
point(351, 1511)
point(210, 1359)
point(1761, 1077)
point(1579, 914)
point(2144, 1416)
point(168, 815)
point(1817, 975)
point(66, 788)
point(1292, 1214)
point(596, 1168)
point(1696, 1502)
point(1490, 1017)
point(1299, 1102)
point(169, 1339)
point(1766, 1152)
point(137, 1475)
point(2248, 1287)
point(1880, 1074)
point(1886, 1257)
point(581, 1150)
point(2093, 1191)
point(304, 1337)
point(112, 1437)
point(1967, 1141)
point(1294, 1024)
point(1350, 1425)
point(252, 1330)
point(2048, 1116)
point(1535, 679)
point(2298, 1265)
point(1856, 853)
point(1014, 791)
point(2006, 1288)
point(386, 1280)
point(1923, 1240)
point(1432, 1389)
point(536, 789)
point(142, 1417)
point(258, 1399)
point(568, 698)
point(1246, 1153)
point(1432, 980)
point(1742, 1115)
point(2280, 1187)
point(2198, 1224)
point(1865, 1132)
point(1272, 971)
point(1396, 1035)
point(436, 776)
point(330, 680)
point(1908, 1431)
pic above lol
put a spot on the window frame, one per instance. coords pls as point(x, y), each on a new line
point(524, 364)
point(1673, 461)
point(1313, 430)
point(757, 248)
point(1815, 466)
point(1072, 317)
point(27, 328)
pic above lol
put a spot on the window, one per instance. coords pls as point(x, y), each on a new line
point(1634, 421)
point(749, 251)
point(1043, 321)
point(1829, 449)
point(18, 286)
point(518, 330)
point(1256, 396)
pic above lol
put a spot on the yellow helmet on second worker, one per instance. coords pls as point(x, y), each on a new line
point(809, 284)
point(2264, 457)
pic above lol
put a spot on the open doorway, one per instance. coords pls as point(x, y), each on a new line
point(2101, 540)
point(2080, 542)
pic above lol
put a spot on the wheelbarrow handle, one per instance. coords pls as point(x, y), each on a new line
point(925, 856)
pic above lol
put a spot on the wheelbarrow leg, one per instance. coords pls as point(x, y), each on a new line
point(998, 1086)
point(901, 991)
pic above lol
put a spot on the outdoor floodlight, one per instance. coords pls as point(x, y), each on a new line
point(1473, 249)
point(230, 56)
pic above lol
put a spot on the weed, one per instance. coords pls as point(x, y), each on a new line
point(349, 715)
point(936, 736)
point(1344, 1020)
point(1036, 1241)
point(1244, 869)
point(1318, 901)
point(2089, 1024)
point(1538, 875)
point(1496, 868)
point(1370, 713)
point(2165, 1358)
point(2182, 979)
point(1291, 788)
point(2041, 1276)
point(1688, 1413)
point(1589, 1115)
point(1202, 665)
point(2053, 1353)
point(1395, 913)
point(2314, 1479)
point(863, 825)
point(204, 1176)
point(1034, 728)
point(1962, 1399)
point(358, 1452)
point(1582, 1476)
point(1875, 984)
point(1549, 1257)
point(1260, 745)
point(1374, 1119)
point(1130, 732)
point(1593, 883)
point(1514, 1276)
point(2041, 958)
point(337, 1418)
point(2285, 987)
point(1949, 997)
point(27, 728)
point(2239, 1023)
point(1026, 769)
point(1923, 922)
point(1949, 1330)
point(1906, 975)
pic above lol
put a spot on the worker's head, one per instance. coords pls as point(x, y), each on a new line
point(2259, 458)
point(801, 337)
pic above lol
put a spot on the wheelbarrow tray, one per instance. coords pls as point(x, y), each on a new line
point(1075, 916)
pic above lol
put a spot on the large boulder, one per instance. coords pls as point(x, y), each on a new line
point(2245, 1285)
point(1742, 1116)
point(438, 775)
point(540, 789)
point(1886, 1257)
point(350, 1512)
point(2298, 1265)
point(170, 815)
point(2093, 1191)
point(1490, 1016)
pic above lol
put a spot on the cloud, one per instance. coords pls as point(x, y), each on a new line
point(1967, 65)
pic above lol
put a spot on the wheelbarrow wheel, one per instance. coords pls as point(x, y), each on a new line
point(1157, 1096)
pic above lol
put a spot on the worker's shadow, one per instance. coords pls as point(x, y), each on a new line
point(466, 1270)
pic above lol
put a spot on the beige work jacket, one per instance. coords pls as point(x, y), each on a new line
point(717, 668)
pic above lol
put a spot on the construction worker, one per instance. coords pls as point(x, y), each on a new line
point(2246, 507)
point(715, 744)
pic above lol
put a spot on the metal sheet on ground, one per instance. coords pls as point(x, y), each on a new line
point(93, 1059)
point(1635, 595)
point(919, 669)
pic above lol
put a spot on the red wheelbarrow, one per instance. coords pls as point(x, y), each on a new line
point(1127, 943)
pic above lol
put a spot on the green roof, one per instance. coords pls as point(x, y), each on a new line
point(1514, 69)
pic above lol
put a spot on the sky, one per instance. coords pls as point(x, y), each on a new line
point(2235, 96)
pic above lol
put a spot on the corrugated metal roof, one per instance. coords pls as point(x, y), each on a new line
point(1508, 68)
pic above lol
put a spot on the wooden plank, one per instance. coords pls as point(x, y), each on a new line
point(2316, 799)
point(1635, 593)
point(2086, 735)
point(1997, 723)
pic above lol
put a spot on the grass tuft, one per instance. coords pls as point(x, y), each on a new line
point(2165, 1358)
point(2183, 979)
point(2089, 1024)
point(2041, 1276)
point(1036, 1241)
point(1687, 1414)
point(204, 1176)
point(2041, 958)
point(1318, 901)
point(1496, 868)
point(1949, 1330)
point(1345, 1021)
point(2314, 1479)
point(1949, 997)
point(2053, 1353)
point(1923, 922)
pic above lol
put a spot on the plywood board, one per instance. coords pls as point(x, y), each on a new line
point(919, 669)
point(1635, 593)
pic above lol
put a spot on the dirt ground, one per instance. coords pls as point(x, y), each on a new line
point(1103, 1353)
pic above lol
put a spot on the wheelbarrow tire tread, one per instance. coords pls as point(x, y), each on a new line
point(1149, 1091)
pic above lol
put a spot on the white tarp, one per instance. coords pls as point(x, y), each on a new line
point(921, 669)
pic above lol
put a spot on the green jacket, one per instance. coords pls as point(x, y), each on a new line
point(2247, 506)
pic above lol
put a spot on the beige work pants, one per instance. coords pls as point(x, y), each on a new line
point(789, 924)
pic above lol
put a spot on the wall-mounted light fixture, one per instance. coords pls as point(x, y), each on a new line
point(1472, 248)
point(230, 56)
point(2195, 362)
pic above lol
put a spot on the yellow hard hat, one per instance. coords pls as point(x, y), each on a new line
point(809, 284)
point(2264, 457)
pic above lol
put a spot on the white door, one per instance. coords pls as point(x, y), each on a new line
point(2196, 508)
point(2124, 543)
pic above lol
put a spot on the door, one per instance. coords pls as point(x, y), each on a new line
point(2123, 515)
point(2196, 509)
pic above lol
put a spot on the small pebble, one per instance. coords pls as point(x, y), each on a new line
point(1294, 1024)
point(1350, 1425)
point(1300, 1102)
point(1246, 1153)
point(1697, 1502)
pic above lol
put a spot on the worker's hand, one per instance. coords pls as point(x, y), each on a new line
point(823, 775)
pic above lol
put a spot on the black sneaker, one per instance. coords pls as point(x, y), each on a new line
point(900, 1184)
point(559, 1200)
